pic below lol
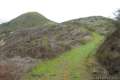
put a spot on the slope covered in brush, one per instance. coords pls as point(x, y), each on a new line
point(49, 40)
point(97, 24)
point(42, 38)
point(69, 66)
point(26, 20)
point(44, 42)
point(109, 53)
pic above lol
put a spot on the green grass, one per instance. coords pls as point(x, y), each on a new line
point(69, 66)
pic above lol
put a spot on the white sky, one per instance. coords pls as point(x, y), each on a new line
point(58, 10)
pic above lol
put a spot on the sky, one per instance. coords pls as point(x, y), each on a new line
point(58, 10)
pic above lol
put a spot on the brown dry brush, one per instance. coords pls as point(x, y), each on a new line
point(109, 53)
point(108, 56)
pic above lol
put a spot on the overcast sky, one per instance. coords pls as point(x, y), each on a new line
point(58, 10)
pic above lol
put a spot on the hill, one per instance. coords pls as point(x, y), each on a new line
point(26, 20)
point(46, 42)
point(31, 37)
point(97, 24)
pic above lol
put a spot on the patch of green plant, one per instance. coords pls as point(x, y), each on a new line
point(70, 65)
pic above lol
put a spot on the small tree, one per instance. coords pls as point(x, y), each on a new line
point(117, 14)
point(117, 17)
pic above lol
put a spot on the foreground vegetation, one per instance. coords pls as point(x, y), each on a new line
point(69, 66)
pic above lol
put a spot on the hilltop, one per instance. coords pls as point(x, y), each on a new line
point(27, 20)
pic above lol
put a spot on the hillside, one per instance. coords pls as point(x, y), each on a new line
point(26, 20)
point(69, 66)
point(44, 42)
point(31, 38)
point(97, 24)
point(47, 42)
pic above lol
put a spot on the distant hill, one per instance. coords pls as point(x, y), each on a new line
point(26, 20)
point(30, 19)
point(97, 24)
